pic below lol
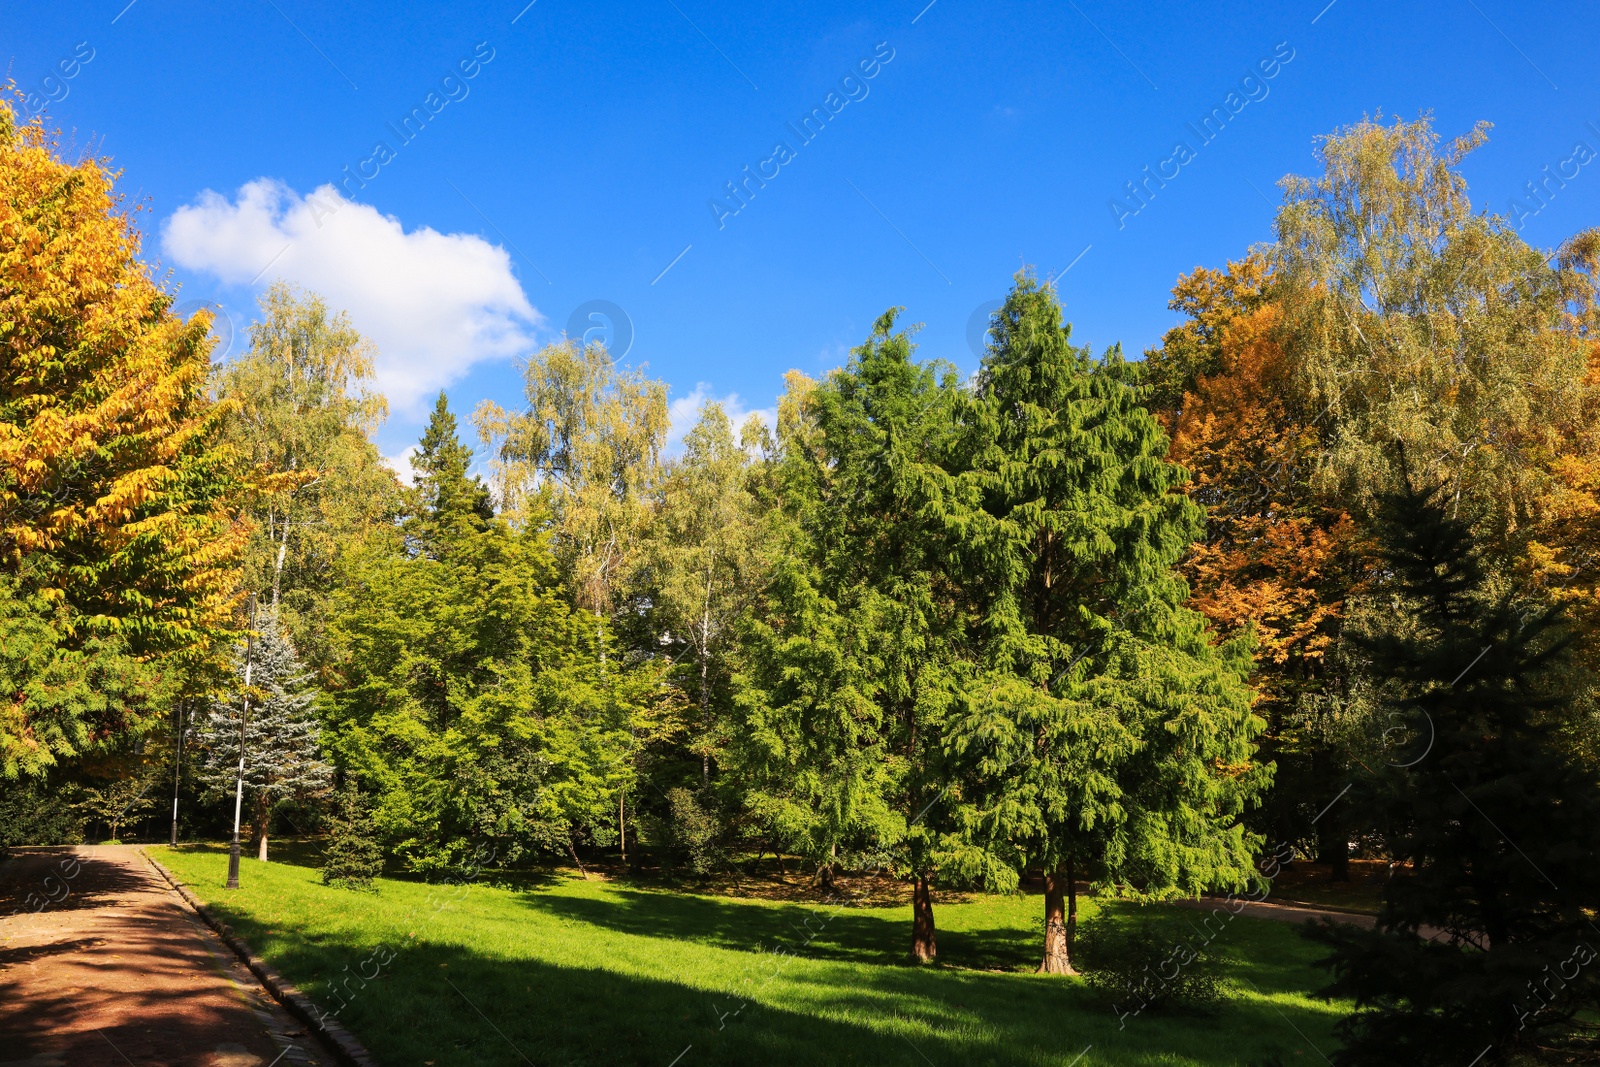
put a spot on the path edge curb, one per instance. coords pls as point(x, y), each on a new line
point(341, 1042)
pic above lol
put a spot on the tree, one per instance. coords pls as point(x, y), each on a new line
point(118, 538)
point(282, 737)
point(352, 858)
point(855, 655)
point(1410, 318)
point(64, 698)
point(302, 411)
point(475, 703)
point(580, 457)
point(704, 559)
point(451, 501)
point(1494, 820)
point(1107, 736)
point(124, 797)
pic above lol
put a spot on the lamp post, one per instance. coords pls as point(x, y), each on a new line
point(244, 719)
point(177, 767)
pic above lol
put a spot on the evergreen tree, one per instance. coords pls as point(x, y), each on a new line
point(856, 657)
point(1495, 821)
point(1108, 738)
point(282, 739)
point(451, 502)
point(352, 857)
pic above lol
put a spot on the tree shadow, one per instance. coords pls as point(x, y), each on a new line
point(56, 879)
point(818, 932)
point(444, 1003)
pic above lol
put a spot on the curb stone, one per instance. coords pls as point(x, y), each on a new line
point(341, 1042)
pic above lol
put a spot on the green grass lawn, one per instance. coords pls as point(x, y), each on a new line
point(563, 971)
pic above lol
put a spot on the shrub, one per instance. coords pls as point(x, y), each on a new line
point(1147, 966)
point(353, 858)
point(32, 814)
point(692, 834)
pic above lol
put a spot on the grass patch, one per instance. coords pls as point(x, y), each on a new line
point(562, 971)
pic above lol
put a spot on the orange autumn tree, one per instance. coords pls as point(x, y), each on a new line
point(118, 544)
point(1277, 557)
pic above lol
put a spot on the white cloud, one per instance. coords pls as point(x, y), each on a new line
point(685, 412)
point(434, 303)
point(401, 465)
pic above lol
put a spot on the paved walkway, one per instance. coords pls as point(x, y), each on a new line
point(102, 964)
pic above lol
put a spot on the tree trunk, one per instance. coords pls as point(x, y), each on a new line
point(572, 850)
point(261, 823)
point(705, 685)
point(622, 826)
point(277, 570)
point(1333, 848)
point(1060, 921)
point(924, 944)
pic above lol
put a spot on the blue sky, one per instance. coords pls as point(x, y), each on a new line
point(572, 153)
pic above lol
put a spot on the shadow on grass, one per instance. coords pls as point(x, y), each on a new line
point(447, 1004)
point(572, 992)
point(829, 933)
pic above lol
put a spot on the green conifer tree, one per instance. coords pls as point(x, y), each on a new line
point(1108, 739)
point(856, 655)
point(352, 857)
point(282, 737)
point(450, 501)
point(1495, 822)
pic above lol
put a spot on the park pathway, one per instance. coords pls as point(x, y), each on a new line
point(103, 965)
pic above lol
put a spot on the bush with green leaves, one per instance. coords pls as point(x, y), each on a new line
point(352, 858)
point(1148, 966)
point(690, 834)
point(34, 813)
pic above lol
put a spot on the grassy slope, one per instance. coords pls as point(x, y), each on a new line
point(574, 972)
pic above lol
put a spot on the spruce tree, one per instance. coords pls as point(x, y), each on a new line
point(282, 739)
point(451, 502)
point(352, 857)
point(1495, 822)
point(1107, 739)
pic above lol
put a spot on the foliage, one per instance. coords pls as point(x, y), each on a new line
point(477, 705)
point(61, 698)
point(852, 658)
point(1108, 737)
point(352, 858)
point(302, 408)
point(1496, 824)
point(1211, 299)
point(690, 834)
point(579, 457)
point(122, 798)
point(704, 559)
point(450, 502)
point(37, 812)
point(1411, 319)
point(117, 534)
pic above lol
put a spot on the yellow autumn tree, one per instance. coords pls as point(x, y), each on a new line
point(118, 543)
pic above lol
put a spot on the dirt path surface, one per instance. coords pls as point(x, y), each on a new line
point(1293, 913)
point(103, 965)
